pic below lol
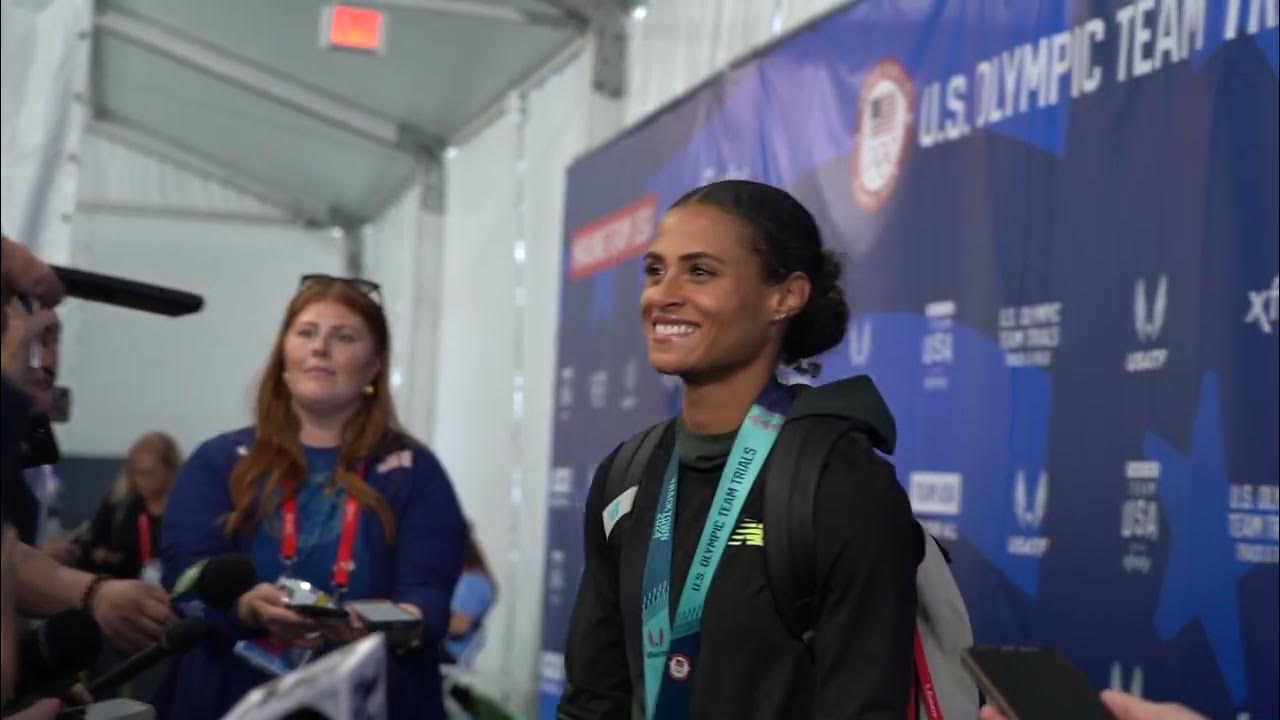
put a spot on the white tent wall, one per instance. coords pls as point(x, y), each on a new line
point(505, 201)
point(44, 75)
point(474, 425)
point(193, 376)
point(402, 254)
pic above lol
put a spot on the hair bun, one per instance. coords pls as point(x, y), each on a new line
point(821, 324)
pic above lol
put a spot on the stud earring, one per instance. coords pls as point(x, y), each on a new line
point(369, 389)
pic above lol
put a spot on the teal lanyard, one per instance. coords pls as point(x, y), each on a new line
point(669, 656)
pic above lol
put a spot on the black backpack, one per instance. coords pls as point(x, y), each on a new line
point(941, 685)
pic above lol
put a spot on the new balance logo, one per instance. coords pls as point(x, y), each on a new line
point(1148, 317)
point(748, 533)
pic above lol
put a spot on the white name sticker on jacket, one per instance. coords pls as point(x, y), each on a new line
point(620, 506)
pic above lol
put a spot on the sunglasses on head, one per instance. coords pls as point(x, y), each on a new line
point(368, 287)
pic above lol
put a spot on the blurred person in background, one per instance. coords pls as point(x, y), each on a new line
point(124, 536)
point(325, 460)
point(472, 599)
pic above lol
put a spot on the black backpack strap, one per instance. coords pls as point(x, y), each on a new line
point(790, 485)
point(632, 458)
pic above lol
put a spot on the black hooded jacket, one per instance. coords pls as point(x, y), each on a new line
point(868, 545)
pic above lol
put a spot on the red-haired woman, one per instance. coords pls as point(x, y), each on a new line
point(325, 485)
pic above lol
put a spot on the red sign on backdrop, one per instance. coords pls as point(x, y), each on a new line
point(621, 235)
point(353, 28)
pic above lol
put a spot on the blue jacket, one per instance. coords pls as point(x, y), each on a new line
point(420, 568)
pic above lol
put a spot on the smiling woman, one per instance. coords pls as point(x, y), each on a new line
point(325, 488)
point(737, 282)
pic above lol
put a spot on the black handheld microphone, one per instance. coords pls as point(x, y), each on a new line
point(177, 639)
point(215, 583)
point(125, 293)
point(52, 654)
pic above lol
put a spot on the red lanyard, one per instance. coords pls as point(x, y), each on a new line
point(927, 692)
point(343, 564)
point(144, 537)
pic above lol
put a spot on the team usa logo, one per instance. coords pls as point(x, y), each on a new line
point(880, 136)
point(679, 667)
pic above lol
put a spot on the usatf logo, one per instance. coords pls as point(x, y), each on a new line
point(880, 136)
point(1263, 306)
point(860, 343)
point(1030, 513)
point(1148, 319)
point(1028, 509)
point(1150, 309)
point(656, 641)
point(630, 378)
point(748, 533)
point(1135, 679)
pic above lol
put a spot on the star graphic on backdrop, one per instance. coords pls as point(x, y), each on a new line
point(1202, 576)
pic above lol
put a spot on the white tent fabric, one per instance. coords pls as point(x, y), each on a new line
point(402, 252)
point(118, 180)
point(504, 209)
point(192, 377)
point(44, 74)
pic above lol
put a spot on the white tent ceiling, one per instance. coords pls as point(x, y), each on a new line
point(242, 90)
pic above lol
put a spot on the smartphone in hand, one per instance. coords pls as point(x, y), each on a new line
point(1029, 683)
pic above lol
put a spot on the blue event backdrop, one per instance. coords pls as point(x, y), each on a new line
point(1060, 228)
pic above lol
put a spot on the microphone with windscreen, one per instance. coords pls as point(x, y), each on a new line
point(53, 654)
point(178, 639)
point(215, 583)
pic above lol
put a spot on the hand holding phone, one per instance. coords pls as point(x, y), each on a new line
point(401, 627)
point(1027, 683)
point(308, 600)
point(384, 615)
